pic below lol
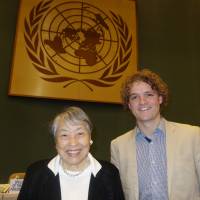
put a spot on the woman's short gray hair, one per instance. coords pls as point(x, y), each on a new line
point(72, 115)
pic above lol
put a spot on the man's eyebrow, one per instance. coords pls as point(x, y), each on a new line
point(132, 94)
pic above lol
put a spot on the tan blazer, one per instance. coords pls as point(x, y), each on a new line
point(183, 161)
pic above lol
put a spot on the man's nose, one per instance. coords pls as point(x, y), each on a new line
point(142, 100)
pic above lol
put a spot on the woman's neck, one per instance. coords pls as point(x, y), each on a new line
point(76, 168)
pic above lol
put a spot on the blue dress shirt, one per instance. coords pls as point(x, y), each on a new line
point(152, 165)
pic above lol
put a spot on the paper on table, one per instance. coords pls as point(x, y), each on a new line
point(4, 187)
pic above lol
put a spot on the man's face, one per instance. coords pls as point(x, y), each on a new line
point(144, 102)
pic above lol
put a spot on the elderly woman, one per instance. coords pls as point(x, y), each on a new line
point(74, 174)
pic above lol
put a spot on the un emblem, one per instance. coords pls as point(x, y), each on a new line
point(77, 42)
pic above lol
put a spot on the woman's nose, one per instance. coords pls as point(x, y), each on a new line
point(72, 141)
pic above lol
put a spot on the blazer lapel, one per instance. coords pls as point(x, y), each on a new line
point(131, 174)
point(52, 188)
point(91, 193)
point(170, 148)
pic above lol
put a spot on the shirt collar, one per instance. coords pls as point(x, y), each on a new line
point(160, 129)
point(54, 164)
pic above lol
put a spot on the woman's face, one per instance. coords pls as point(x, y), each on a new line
point(72, 144)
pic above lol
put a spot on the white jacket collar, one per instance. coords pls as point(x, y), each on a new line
point(54, 164)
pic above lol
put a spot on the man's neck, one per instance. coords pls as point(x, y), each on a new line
point(148, 127)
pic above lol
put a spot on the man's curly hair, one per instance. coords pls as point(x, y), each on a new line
point(149, 77)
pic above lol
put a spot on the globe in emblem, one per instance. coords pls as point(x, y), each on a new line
point(79, 37)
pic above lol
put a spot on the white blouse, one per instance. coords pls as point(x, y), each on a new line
point(74, 186)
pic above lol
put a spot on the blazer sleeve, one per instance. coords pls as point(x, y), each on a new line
point(197, 152)
point(114, 154)
point(32, 180)
point(25, 192)
point(109, 181)
point(117, 186)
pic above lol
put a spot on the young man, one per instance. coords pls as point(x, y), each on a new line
point(158, 159)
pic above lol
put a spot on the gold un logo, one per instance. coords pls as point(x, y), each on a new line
point(77, 42)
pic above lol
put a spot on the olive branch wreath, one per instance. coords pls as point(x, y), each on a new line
point(45, 66)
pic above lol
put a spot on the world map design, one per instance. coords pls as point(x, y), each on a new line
point(75, 42)
point(79, 37)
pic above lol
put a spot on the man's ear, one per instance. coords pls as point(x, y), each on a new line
point(129, 106)
point(160, 99)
